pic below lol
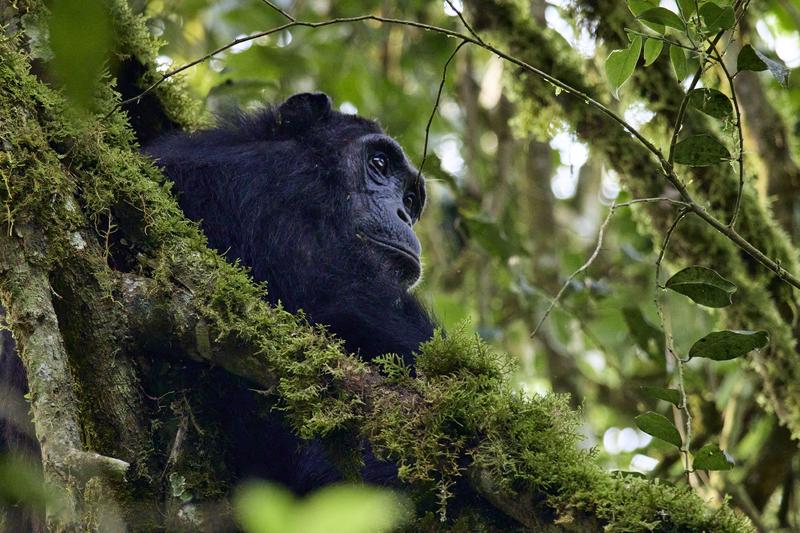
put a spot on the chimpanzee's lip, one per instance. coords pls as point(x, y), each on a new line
point(406, 253)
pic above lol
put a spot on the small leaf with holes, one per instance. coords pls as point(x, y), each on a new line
point(702, 285)
point(658, 426)
point(710, 457)
point(752, 59)
point(672, 396)
point(725, 345)
point(711, 102)
point(701, 150)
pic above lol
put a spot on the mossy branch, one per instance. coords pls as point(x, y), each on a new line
point(27, 297)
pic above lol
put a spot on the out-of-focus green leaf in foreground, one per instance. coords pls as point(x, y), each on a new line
point(81, 40)
point(262, 507)
point(21, 484)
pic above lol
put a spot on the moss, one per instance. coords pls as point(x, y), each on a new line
point(525, 444)
point(135, 41)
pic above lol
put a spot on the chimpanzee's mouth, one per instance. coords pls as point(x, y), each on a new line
point(405, 253)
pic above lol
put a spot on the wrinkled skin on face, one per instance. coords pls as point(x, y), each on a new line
point(386, 202)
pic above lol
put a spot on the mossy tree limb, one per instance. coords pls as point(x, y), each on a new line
point(27, 297)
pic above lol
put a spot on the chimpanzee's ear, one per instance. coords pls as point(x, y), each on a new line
point(302, 110)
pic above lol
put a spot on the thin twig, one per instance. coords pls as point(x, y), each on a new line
point(279, 10)
point(464, 22)
point(414, 24)
point(692, 85)
point(652, 201)
point(661, 38)
point(740, 158)
point(586, 265)
point(436, 107)
point(669, 342)
point(556, 301)
point(684, 105)
point(687, 20)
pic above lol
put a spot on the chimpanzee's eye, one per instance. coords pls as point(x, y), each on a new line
point(379, 163)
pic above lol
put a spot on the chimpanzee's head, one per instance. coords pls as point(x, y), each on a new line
point(381, 192)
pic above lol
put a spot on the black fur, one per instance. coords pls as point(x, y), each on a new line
point(293, 193)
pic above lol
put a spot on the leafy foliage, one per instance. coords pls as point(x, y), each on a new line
point(703, 285)
point(267, 508)
point(660, 427)
point(724, 345)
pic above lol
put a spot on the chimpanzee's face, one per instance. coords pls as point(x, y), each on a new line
point(387, 200)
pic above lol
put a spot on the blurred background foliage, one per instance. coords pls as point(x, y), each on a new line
point(516, 202)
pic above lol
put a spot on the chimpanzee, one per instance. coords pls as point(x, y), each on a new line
point(320, 205)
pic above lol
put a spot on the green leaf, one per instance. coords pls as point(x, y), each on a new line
point(749, 60)
point(652, 49)
point(663, 16)
point(269, 508)
point(710, 457)
point(711, 102)
point(350, 509)
point(263, 507)
point(637, 7)
point(752, 59)
point(678, 58)
point(647, 336)
point(702, 285)
point(716, 18)
point(658, 426)
point(81, 39)
point(672, 396)
point(621, 64)
point(725, 345)
point(701, 150)
point(686, 8)
point(640, 6)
